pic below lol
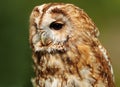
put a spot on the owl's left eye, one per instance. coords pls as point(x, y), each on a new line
point(56, 25)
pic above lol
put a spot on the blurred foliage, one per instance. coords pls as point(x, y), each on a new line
point(15, 53)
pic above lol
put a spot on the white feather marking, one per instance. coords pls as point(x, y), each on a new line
point(85, 72)
point(76, 82)
point(106, 57)
point(47, 83)
point(86, 75)
point(41, 8)
point(51, 82)
point(54, 83)
point(104, 52)
point(46, 22)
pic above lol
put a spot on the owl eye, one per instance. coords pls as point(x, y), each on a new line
point(56, 25)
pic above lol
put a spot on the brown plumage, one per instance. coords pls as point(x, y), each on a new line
point(66, 50)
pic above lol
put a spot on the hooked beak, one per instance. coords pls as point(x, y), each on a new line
point(45, 40)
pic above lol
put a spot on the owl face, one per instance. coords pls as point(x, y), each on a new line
point(53, 26)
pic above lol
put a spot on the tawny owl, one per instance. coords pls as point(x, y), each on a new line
point(66, 49)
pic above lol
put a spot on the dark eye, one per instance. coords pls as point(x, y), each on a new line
point(56, 26)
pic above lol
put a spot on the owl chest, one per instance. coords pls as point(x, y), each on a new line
point(63, 71)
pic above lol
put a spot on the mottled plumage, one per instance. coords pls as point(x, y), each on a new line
point(66, 49)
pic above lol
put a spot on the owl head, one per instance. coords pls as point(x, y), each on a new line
point(57, 26)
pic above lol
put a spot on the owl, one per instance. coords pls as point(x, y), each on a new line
point(66, 50)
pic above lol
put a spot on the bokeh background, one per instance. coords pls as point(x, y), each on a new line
point(15, 53)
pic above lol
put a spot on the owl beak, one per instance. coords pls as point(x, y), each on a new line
point(45, 40)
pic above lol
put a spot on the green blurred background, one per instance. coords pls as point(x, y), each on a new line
point(15, 53)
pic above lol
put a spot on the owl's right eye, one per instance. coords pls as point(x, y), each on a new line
point(56, 25)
